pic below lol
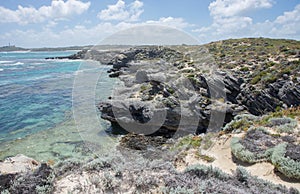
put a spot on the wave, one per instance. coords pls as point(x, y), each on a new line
point(13, 68)
point(18, 63)
point(27, 51)
point(37, 78)
point(12, 64)
point(2, 62)
point(1, 70)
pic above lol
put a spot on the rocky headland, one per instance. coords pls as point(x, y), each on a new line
point(194, 83)
point(216, 118)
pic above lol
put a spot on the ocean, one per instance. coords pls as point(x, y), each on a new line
point(36, 104)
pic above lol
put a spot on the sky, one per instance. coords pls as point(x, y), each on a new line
point(36, 23)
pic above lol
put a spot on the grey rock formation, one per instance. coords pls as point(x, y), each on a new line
point(174, 86)
point(158, 99)
point(280, 93)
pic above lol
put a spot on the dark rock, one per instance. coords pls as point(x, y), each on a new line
point(141, 142)
point(114, 74)
point(264, 101)
point(6, 180)
point(21, 174)
point(188, 103)
point(79, 55)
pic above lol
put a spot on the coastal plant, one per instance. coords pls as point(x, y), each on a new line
point(208, 171)
point(281, 124)
point(256, 146)
point(96, 165)
point(39, 181)
point(288, 127)
point(95, 180)
point(246, 69)
point(145, 183)
point(275, 122)
point(242, 174)
point(204, 157)
point(240, 152)
point(240, 122)
point(178, 190)
point(284, 164)
point(43, 189)
point(109, 182)
point(67, 166)
point(291, 112)
point(206, 179)
point(5, 191)
point(188, 142)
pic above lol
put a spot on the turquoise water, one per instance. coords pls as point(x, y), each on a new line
point(34, 93)
point(36, 103)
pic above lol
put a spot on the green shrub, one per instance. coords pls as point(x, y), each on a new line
point(282, 124)
point(244, 69)
point(287, 128)
point(202, 170)
point(242, 174)
point(258, 77)
point(143, 88)
point(285, 165)
point(270, 78)
point(240, 152)
point(206, 158)
point(189, 142)
point(254, 147)
point(242, 122)
point(96, 165)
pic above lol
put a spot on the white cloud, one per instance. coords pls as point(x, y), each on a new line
point(77, 35)
point(170, 22)
point(232, 24)
point(238, 25)
point(58, 9)
point(288, 17)
point(80, 34)
point(230, 15)
point(122, 12)
point(227, 8)
point(288, 24)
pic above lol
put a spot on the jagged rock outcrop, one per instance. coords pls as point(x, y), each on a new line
point(163, 82)
point(160, 97)
point(282, 93)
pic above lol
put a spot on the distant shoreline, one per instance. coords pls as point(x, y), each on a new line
point(68, 48)
point(14, 48)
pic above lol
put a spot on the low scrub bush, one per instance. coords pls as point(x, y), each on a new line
point(283, 125)
point(240, 152)
point(256, 146)
point(240, 122)
point(284, 164)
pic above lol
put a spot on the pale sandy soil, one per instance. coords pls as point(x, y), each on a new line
point(223, 159)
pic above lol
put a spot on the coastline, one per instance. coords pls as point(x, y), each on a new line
point(167, 160)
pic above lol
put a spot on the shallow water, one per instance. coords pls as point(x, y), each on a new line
point(36, 105)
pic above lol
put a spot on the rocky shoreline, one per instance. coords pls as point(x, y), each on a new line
point(232, 108)
point(165, 77)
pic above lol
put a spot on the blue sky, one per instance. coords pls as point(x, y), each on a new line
point(34, 23)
